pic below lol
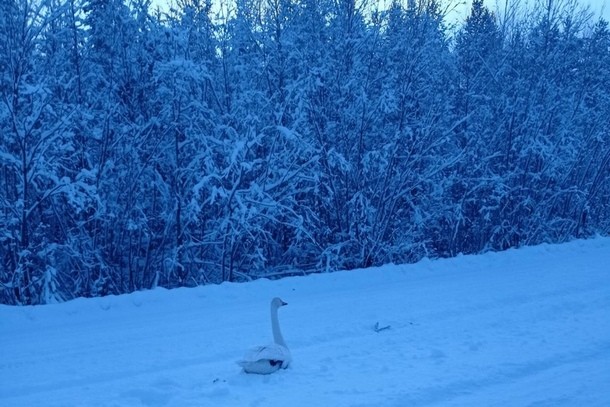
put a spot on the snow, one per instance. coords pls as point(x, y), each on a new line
point(526, 327)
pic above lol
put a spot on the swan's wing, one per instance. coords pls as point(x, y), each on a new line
point(263, 366)
point(273, 352)
point(266, 359)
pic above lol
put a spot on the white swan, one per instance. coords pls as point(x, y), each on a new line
point(270, 358)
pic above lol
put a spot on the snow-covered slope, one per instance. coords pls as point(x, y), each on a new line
point(528, 327)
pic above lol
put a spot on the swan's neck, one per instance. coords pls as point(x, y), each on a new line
point(275, 327)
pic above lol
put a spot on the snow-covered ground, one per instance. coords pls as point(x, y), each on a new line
point(527, 327)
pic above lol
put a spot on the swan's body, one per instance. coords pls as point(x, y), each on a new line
point(269, 358)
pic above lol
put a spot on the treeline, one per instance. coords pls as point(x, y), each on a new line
point(270, 137)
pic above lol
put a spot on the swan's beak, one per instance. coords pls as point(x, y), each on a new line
point(284, 303)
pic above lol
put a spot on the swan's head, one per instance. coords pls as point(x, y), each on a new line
point(277, 302)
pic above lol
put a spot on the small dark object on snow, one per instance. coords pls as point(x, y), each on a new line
point(378, 328)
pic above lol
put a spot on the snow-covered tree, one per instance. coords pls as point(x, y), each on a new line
point(234, 140)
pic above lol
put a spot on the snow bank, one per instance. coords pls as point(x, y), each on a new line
point(525, 327)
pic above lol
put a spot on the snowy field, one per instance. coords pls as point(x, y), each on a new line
point(527, 327)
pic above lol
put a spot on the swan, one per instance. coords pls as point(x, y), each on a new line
point(269, 358)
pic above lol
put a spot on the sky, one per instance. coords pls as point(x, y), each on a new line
point(602, 7)
point(598, 7)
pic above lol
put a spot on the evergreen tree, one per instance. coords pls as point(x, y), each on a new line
point(479, 108)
